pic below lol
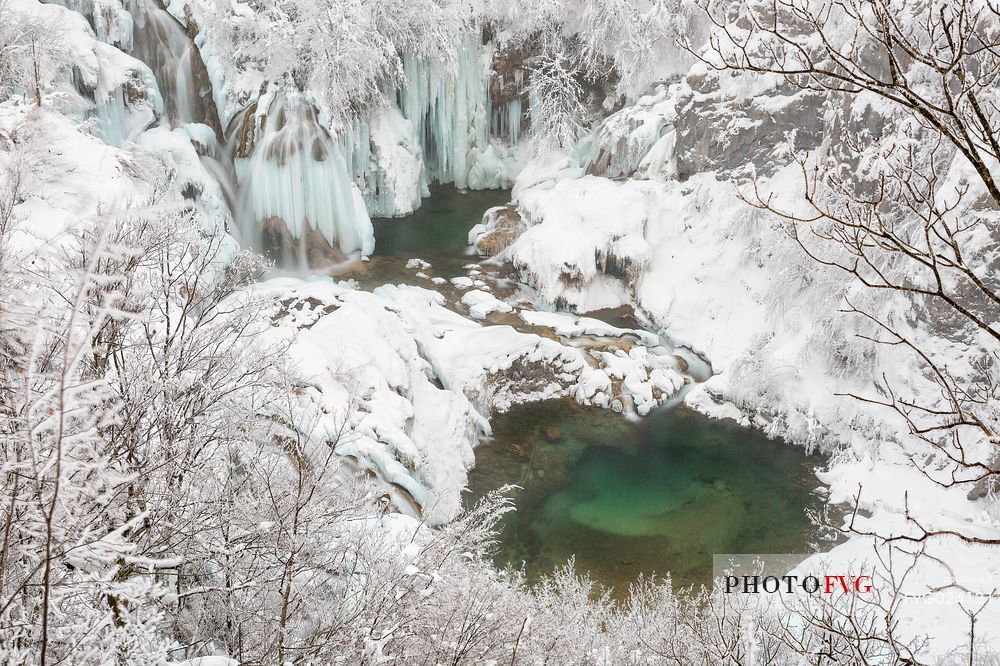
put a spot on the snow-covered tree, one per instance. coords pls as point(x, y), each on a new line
point(65, 543)
point(32, 52)
point(905, 208)
point(345, 53)
point(557, 111)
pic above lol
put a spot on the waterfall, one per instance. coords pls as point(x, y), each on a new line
point(159, 40)
point(298, 203)
point(303, 196)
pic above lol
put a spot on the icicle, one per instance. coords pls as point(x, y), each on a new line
point(515, 109)
point(514, 120)
point(123, 117)
point(438, 127)
point(383, 156)
point(449, 112)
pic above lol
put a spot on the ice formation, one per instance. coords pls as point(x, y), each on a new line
point(624, 142)
point(440, 125)
point(450, 112)
point(297, 175)
point(384, 157)
point(123, 95)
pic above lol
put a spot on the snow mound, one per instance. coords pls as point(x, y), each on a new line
point(481, 304)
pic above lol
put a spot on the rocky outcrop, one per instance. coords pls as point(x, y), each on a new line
point(501, 226)
point(312, 249)
point(737, 135)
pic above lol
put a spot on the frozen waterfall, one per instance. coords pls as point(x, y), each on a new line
point(296, 194)
point(449, 111)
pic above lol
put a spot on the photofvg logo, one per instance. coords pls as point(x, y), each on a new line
point(785, 573)
point(876, 581)
point(826, 584)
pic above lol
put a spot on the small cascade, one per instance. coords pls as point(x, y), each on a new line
point(160, 41)
point(297, 202)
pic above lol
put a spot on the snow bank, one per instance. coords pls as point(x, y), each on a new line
point(71, 174)
point(592, 245)
point(415, 382)
point(482, 303)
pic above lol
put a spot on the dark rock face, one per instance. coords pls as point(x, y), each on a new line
point(509, 77)
point(735, 137)
point(311, 250)
point(245, 127)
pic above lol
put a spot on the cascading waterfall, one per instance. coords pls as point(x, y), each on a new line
point(160, 42)
point(298, 202)
point(303, 196)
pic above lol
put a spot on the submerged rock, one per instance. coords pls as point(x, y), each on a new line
point(312, 249)
point(551, 433)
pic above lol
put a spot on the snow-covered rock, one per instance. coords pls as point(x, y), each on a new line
point(585, 244)
point(118, 91)
point(501, 225)
point(482, 303)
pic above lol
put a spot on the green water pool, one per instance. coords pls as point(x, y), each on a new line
point(440, 227)
point(627, 498)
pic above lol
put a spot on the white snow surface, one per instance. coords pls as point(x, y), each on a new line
point(482, 303)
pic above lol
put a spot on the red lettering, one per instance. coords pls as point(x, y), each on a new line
point(829, 582)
